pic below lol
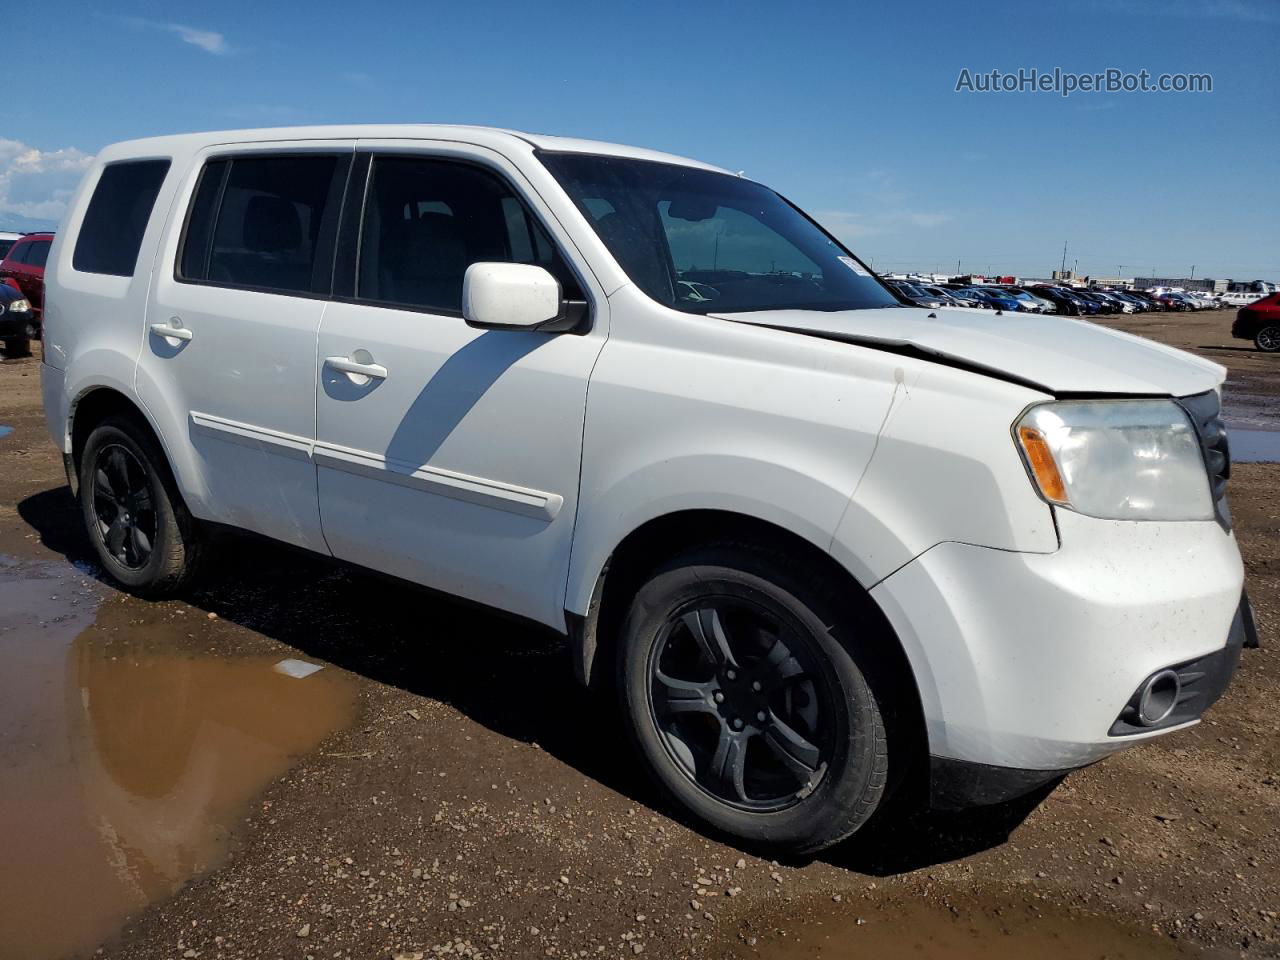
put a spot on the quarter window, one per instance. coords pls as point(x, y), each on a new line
point(111, 234)
point(265, 222)
point(426, 221)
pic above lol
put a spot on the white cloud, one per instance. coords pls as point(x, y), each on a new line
point(207, 40)
point(850, 225)
point(1242, 10)
point(210, 41)
point(36, 184)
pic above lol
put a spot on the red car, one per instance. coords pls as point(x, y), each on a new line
point(23, 267)
point(1260, 322)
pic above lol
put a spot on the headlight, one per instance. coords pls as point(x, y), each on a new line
point(19, 306)
point(1117, 459)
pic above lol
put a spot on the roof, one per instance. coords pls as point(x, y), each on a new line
point(506, 141)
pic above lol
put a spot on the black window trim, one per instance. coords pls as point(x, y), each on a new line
point(328, 251)
point(351, 230)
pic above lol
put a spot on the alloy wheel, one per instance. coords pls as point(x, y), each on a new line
point(123, 512)
point(740, 705)
point(1268, 339)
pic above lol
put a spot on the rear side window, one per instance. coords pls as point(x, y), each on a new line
point(266, 223)
point(5, 247)
point(38, 253)
point(111, 234)
point(18, 254)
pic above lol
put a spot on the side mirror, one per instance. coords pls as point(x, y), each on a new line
point(510, 296)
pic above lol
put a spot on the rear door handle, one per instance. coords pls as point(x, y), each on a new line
point(353, 368)
point(175, 333)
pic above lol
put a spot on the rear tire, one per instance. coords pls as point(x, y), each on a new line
point(144, 537)
point(18, 347)
point(747, 688)
point(1268, 339)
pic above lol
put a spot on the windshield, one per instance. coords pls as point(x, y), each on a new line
point(706, 242)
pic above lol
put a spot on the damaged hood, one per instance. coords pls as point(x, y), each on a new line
point(1059, 355)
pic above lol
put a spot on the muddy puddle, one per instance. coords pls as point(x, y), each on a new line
point(128, 752)
point(926, 930)
point(1254, 446)
point(5, 430)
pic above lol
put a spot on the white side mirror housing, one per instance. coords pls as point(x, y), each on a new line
point(510, 296)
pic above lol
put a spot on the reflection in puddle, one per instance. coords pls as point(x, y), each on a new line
point(1250, 410)
point(5, 430)
point(927, 931)
point(1254, 446)
point(126, 754)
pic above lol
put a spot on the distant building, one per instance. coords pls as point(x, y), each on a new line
point(1206, 284)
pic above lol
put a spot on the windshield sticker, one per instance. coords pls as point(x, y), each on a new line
point(855, 266)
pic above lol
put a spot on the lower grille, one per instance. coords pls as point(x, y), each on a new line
point(1205, 412)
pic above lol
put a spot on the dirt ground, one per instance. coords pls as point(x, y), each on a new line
point(472, 801)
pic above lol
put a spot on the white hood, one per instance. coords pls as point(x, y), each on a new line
point(1059, 355)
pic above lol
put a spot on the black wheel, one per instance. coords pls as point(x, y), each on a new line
point(1268, 339)
point(141, 530)
point(746, 690)
point(17, 347)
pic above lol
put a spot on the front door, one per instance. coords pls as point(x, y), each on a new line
point(228, 364)
point(448, 455)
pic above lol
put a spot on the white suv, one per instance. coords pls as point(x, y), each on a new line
point(815, 541)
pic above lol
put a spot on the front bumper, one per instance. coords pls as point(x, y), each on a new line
point(18, 324)
point(1027, 660)
point(959, 784)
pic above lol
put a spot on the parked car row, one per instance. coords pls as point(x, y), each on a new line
point(22, 291)
point(1049, 298)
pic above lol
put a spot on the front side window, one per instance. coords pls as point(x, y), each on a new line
point(706, 242)
point(111, 234)
point(426, 221)
point(265, 222)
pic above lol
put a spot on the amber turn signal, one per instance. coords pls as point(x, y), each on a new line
point(1043, 466)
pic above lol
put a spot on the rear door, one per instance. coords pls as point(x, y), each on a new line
point(229, 362)
point(454, 462)
point(33, 283)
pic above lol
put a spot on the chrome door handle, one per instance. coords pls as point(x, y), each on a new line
point(174, 333)
point(374, 371)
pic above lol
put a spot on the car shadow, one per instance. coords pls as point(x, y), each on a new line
point(1214, 346)
point(511, 676)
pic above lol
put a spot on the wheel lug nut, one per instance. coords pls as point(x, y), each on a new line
point(761, 716)
point(737, 723)
point(755, 685)
point(718, 697)
point(731, 674)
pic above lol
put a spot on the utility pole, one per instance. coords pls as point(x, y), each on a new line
point(1193, 271)
point(957, 266)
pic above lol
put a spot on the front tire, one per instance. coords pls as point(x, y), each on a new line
point(1268, 339)
point(139, 527)
point(745, 687)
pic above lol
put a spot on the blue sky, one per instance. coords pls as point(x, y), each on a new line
point(848, 108)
